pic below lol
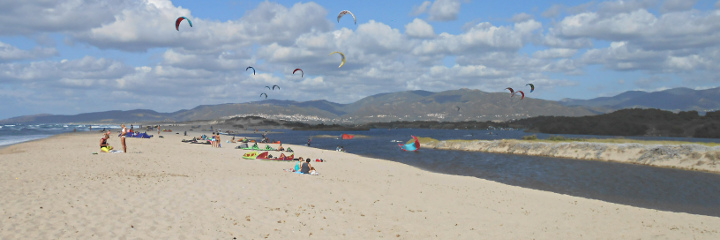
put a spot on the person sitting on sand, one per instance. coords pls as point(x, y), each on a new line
point(289, 150)
point(297, 164)
point(307, 168)
point(281, 148)
point(104, 146)
point(233, 140)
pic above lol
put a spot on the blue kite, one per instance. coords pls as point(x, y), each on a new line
point(410, 147)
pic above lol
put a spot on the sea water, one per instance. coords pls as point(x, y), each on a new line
point(18, 133)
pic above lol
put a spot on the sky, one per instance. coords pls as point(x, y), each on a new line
point(79, 56)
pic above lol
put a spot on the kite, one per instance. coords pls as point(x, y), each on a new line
point(264, 94)
point(273, 88)
point(458, 108)
point(268, 87)
point(343, 58)
point(301, 71)
point(413, 146)
point(343, 12)
point(523, 95)
point(512, 92)
point(250, 68)
point(532, 87)
point(177, 22)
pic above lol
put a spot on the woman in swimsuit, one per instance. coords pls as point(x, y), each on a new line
point(122, 137)
point(104, 146)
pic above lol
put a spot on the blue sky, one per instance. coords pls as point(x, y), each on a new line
point(79, 56)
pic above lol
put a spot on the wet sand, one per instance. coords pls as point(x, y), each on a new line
point(56, 188)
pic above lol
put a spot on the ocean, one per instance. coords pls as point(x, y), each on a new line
point(636, 185)
point(17, 133)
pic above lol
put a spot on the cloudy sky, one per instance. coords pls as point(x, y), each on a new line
point(77, 56)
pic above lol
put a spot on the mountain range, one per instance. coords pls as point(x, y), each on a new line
point(449, 106)
point(675, 99)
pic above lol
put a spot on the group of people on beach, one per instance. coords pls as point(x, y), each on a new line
point(105, 146)
point(215, 139)
point(303, 166)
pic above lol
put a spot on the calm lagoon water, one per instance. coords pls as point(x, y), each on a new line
point(637, 185)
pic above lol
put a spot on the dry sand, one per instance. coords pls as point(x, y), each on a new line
point(164, 189)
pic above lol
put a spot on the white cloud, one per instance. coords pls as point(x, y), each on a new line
point(624, 6)
point(12, 53)
point(439, 10)
point(482, 37)
point(677, 5)
point(555, 53)
point(522, 17)
point(64, 73)
point(417, 10)
point(150, 25)
point(444, 10)
point(34, 16)
point(419, 29)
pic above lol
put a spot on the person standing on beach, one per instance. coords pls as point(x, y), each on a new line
point(122, 137)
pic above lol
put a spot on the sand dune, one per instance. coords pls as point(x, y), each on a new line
point(164, 189)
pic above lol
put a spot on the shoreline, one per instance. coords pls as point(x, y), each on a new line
point(685, 156)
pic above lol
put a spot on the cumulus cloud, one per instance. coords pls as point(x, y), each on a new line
point(521, 17)
point(555, 53)
point(65, 73)
point(439, 10)
point(677, 5)
point(419, 29)
point(150, 25)
point(12, 53)
point(482, 37)
point(36, 16)
point(444, 10)
point(417, 10)
point(624, 6)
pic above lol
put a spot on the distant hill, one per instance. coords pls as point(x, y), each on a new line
point(455, 105)
point(676, 99)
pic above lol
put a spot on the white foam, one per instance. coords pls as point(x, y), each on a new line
point(10, 140)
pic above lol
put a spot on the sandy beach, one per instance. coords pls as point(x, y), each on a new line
point(56, 188)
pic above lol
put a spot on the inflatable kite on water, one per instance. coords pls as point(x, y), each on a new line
point(177, 22)
point(410, 147)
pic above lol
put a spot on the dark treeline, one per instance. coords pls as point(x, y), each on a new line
point(629, 122)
